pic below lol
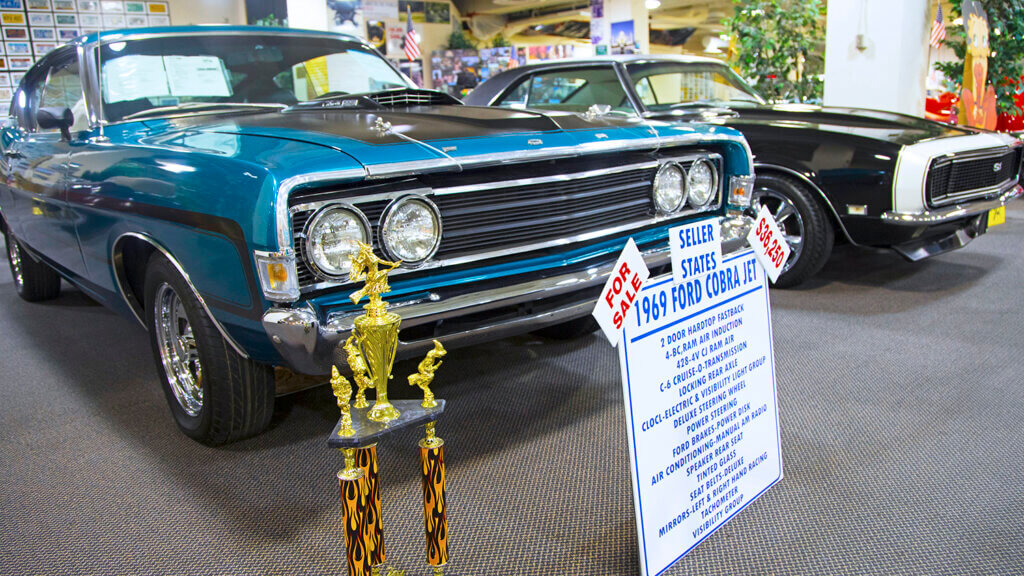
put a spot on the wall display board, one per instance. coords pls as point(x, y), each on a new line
point(698, 377)
point(32, 28)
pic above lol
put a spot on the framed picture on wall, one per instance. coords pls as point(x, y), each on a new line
point(157, 7)
point(116, 6)
point(16, 77)
point(113, 21)
point(90, 20)
point(137, 21)
point(15, 33)
point(12, 18)
point(66, 19)
point(5, 75)
point(42, 48)
point(19, 63)
point(135, 7)
point(88, 5)
point(12, 5)
point(66, 34)
point(44, 34)
point(159, 20)
point(18, 48)
point(63, 5)
point(40, 19)
point(5, 78)
point(38, 5)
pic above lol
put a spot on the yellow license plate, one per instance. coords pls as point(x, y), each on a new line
point(997, 216)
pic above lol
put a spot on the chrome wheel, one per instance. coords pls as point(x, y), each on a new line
point(15, 255)
point(786, 215)
point(178, 352)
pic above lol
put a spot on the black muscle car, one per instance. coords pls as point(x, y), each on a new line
point(867, 177)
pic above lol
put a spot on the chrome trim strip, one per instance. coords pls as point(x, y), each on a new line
point(118, 276)
point(284, 229)
point(952, 212)
point(546, 179)
point(809, 182)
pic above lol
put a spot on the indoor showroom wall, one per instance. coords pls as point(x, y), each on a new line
point(184, 12)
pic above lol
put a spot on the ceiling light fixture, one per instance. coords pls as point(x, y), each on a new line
point(652, 4)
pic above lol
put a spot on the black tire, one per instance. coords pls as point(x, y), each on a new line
point(817, 233)
point(35, 281)
point(237, 394)
point(569, 330)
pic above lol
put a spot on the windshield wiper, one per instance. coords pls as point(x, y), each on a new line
point(196, 106)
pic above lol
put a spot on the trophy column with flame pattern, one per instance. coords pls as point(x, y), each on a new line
point(370, 354)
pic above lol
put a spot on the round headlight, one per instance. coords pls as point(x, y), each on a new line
point(331, 238)
point(669, 188)
point(411, 230)
point(701, 183)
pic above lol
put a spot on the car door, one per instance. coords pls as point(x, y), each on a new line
point(38, 162)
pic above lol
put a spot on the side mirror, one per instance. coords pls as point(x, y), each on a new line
point(59, 118)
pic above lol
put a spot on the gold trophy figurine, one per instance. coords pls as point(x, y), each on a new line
point(425, 376)
point(343, 391)
point(359, 370)
point(377, 329)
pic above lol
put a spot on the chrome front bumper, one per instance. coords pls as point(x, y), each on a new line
point(308, 346)
point(950, 213)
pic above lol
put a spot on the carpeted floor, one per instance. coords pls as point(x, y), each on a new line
point(900, 402)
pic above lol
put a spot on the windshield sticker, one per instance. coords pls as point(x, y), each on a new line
point(136, 76)
point(196, 76)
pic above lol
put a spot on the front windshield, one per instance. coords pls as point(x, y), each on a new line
point(666, 85)
point(149, 76)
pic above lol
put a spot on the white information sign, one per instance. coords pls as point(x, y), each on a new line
point(620, 291)
point(196, 76)
point(696, 248)
point(698, 376)
point(769, 246)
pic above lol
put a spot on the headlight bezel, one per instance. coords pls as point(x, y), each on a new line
point(311, 224)
point(713, 189)
point(683, 198)
point(385, 221)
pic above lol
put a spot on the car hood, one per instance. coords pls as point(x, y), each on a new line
point(425, 137)
point(898, 129)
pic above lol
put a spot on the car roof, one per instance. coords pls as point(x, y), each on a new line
point(129, 33)
point(487, 91)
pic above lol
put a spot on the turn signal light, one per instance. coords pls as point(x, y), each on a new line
point(278, 277)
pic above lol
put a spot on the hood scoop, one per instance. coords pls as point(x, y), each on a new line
point(398, 98)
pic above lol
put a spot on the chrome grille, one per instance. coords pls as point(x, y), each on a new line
point(485, 214)
point(395, 98)
point(969, 176)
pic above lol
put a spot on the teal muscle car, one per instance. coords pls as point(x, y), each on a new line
point(213, 182)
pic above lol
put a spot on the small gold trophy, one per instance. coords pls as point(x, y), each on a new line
point(370, 353)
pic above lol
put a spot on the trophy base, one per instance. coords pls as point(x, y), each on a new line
point(369, 432)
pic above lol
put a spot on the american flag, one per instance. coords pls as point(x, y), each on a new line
point(938, 28)
point(412, 44)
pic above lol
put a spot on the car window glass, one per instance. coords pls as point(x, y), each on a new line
point(63, 89)
point(167, 74)
point(516, 98)
point(666, 84)
point(573, 90)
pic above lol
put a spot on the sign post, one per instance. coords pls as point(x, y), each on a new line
point(698, 376)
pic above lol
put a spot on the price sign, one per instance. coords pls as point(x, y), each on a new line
point(770, 248)
point(620, 291)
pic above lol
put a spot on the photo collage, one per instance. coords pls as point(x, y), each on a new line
point(459, 71)
point(32, 28)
